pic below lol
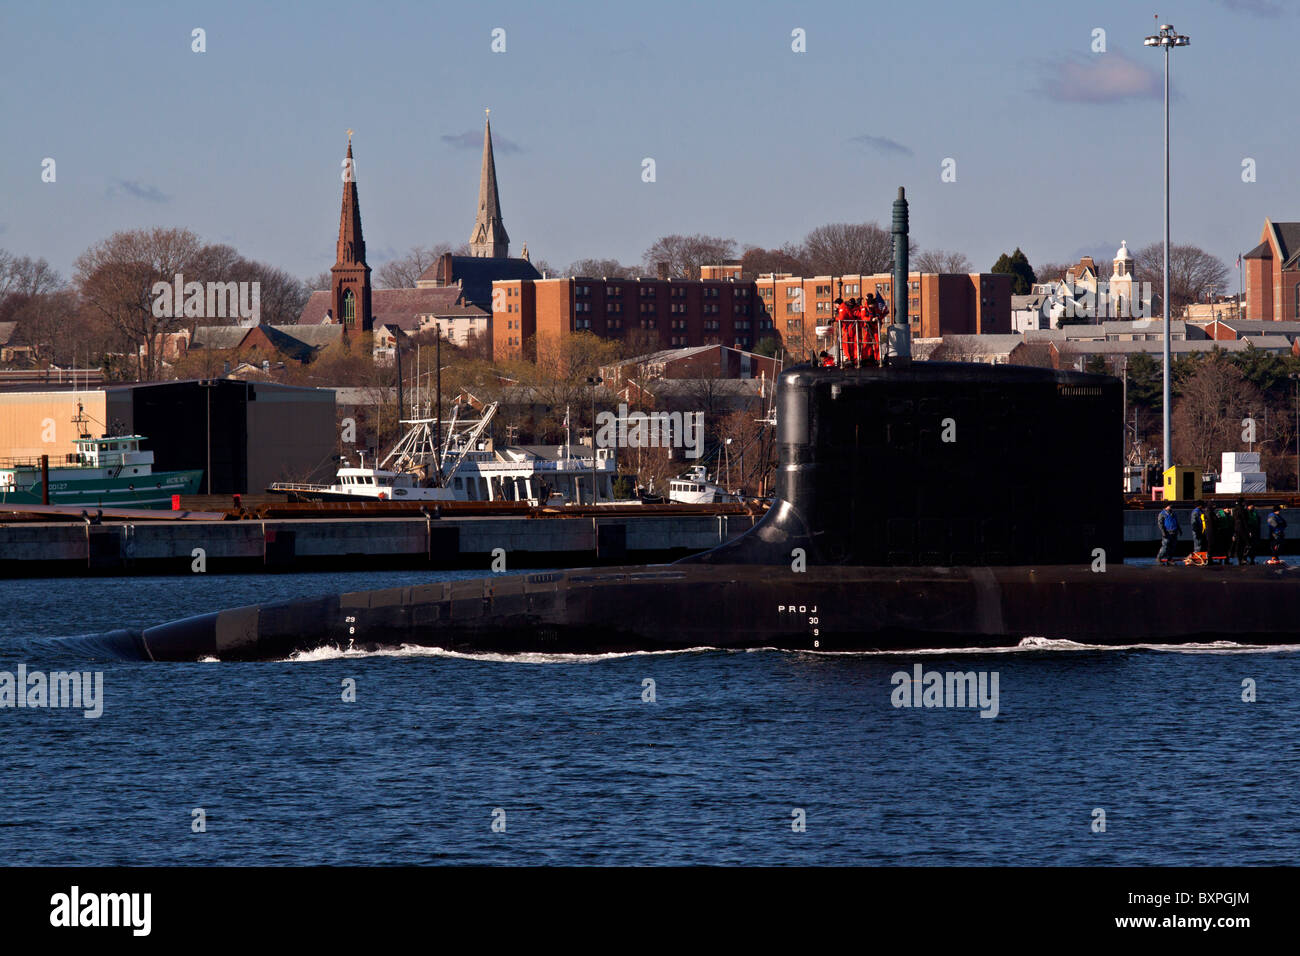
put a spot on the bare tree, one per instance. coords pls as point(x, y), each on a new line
point(47, 322)
point(844, 248)
point(683, 255)
point(1207, 416)
point(320, 281)
point(1053, 271)
point(116, 276)
point(605, 268)
point(941, 261)
point(1193, 273)
point(26, 276)
point(756, 260)
point(1032, 353)
point(282, 296)
point(403, 272)
point(959, 348)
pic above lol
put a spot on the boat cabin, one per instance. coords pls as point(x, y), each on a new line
point(116, 451)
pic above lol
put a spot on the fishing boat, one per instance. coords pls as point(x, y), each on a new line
point(463, 464)
point(112, 470)
point(695, 488)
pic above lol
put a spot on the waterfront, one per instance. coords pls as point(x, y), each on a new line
point(588, 773)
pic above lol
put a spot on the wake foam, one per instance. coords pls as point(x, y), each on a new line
point(412, 650)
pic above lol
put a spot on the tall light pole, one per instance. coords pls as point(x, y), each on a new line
point(593, 381)
point(1167, 38)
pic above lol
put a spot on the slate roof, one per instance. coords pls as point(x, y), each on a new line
point(390, 305)
point(218, 336)
point(317, 336)
point(1288, 235)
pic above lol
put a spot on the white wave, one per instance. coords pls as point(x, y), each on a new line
point(1027, 645)
point(1048, 644)
point(412, 650)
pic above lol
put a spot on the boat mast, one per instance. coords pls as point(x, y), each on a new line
point(437, 441)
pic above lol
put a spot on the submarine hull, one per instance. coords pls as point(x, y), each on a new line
point(831, 609)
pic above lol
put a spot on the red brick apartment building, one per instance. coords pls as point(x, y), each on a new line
point(1273, 274)
point(665, 313)
point(723, 309)
point(938, 304)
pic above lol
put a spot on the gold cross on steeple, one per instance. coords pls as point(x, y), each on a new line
point(349, 137)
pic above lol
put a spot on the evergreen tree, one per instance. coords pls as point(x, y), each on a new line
point(1017, 266)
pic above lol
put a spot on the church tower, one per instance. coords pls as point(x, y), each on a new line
point(1121, 284)
point(350, 296)
point(489, 239)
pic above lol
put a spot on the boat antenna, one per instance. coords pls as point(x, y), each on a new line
point(437, 364)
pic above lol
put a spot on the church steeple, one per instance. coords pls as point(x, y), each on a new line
point(350, 298)
point(489, 239)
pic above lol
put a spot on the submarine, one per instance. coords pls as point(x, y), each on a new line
point(924, 505)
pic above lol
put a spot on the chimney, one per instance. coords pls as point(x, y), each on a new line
point(661, 268)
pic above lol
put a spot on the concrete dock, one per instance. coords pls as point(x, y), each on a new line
point(39, 549)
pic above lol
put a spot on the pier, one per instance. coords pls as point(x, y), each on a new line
point(39, 548)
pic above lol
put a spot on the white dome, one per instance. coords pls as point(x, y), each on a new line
point(1123, 251)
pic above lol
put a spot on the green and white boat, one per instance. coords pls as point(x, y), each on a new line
point(102, 472)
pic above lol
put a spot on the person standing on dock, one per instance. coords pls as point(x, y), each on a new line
point(1168, 524)
point(1276, 532)
point(1198, 528)
point(1252, 533)
point(1239, 532)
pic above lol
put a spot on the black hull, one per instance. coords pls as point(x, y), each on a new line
point(858, 551)
point(681, 607)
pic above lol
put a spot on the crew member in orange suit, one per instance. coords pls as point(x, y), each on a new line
point(847, 319)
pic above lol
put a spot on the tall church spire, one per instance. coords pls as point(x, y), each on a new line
point(350, 298)
point(489, 239)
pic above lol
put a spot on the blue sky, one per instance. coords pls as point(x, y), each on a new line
point(1057, 148)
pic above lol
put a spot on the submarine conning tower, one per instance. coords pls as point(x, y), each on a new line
point(939, 463)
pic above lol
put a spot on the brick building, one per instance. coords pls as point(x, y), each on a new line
point(723, 310)
point(656, 313)
point(1273, 273)
point(938, 304)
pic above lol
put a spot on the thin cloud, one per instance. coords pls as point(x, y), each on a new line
point(883, 144)
point(474, 140)
point(1259, 8)
point(1100, 78)
point(138, 190)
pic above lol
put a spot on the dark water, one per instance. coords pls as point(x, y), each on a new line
point(588, 773)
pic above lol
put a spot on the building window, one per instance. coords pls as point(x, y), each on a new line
point(349, 308)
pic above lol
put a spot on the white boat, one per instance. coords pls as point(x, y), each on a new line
point(464, 465)
point(695, 488)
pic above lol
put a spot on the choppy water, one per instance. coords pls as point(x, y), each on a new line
point(588, 773)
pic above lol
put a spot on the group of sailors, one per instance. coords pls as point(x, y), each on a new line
point(1220, 534)
point(856, 329)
